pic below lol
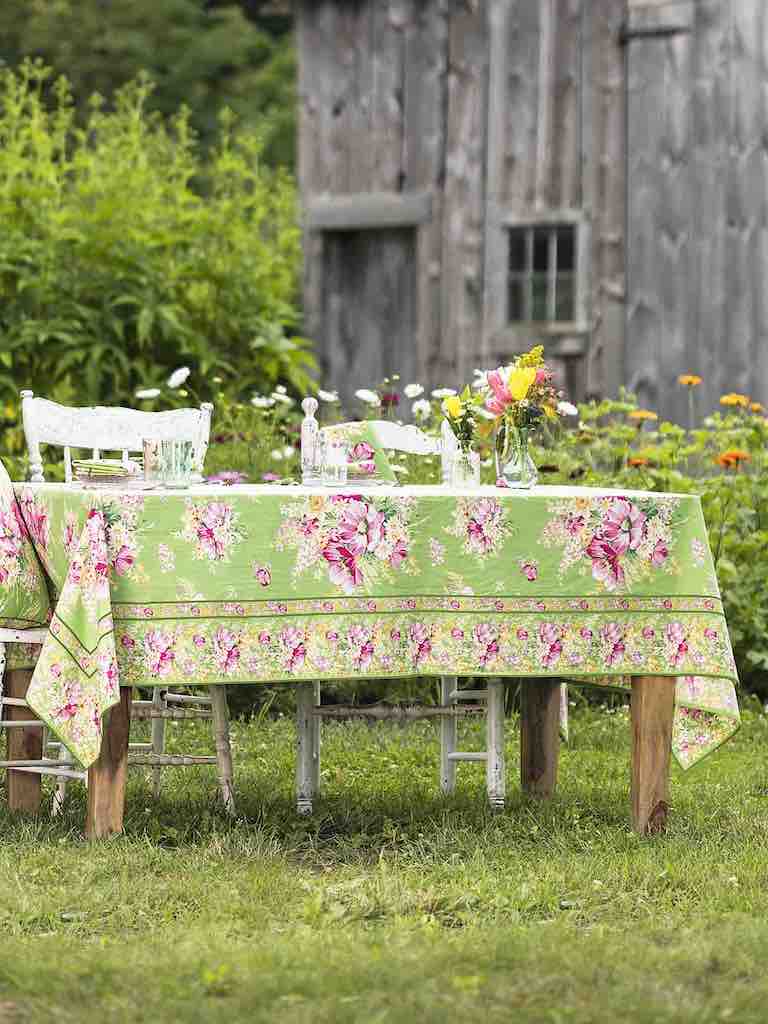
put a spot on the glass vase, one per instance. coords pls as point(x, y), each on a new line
point(514, 464)
point(465, 469)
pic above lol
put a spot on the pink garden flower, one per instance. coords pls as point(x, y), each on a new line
point(530, 570)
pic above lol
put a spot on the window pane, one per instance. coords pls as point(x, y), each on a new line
point(566, 255)
point(566, 305)
point(541, 249)
point(516, 309)
point(539, 311)
point(517, 249)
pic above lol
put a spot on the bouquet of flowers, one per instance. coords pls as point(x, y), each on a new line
point(461, 413)
point(521, 393)
point(519, 396)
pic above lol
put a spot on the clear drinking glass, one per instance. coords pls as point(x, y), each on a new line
point(176, 463)
point(152, 460)
point(335, 464)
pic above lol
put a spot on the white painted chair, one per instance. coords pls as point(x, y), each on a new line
point(103, 429)
point(61, 766)
point(309, 711)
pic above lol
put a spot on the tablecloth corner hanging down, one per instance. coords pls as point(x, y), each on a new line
point(268, 583)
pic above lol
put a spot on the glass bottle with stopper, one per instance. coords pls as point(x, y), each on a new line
point(311, 448)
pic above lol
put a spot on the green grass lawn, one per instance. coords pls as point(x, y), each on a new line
point(391, 903)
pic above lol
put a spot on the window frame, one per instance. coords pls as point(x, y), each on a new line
point(549, 221)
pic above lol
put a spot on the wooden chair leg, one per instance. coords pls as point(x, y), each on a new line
point(158, 739)
point(307, 746)
point(653, 706)
point(220, 711)
point(23, 788)
point(317, 726)
point(495, 773)
point(447, 737)
point(539, 735)
point(106, 776)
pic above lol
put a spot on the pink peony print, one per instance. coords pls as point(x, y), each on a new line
point(530, 570)
point(293, 641)
point(123, 560)
point(158, 645)
point(676, 643)
point(551, 644)
point(263, 574)
point(421, 643)
point(624, 525)
point(659, 554)
point(614, 648)
point(605, 562)
point(226, 649)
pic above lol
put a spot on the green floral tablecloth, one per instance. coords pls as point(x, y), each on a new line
point(248, 584)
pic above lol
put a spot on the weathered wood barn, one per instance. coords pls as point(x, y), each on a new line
point(477, 175)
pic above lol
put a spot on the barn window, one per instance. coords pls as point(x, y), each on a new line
point(542, 273)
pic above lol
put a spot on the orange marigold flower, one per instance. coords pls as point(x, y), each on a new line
point(732, 458)
point(638, 460)
point(642, 414)
point(690, 380)
point(756, 407)
point(733, 399)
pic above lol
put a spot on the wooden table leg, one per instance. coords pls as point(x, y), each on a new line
point(24, 788)
point(653, 705)
point(539, 735)
point(106, 776)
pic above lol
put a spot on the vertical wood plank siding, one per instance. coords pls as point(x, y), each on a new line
point(510, 110)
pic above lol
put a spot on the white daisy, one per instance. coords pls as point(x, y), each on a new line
point(327, 396)
point(413, 390)
point(422, 409)
point(443, 392)
point(567, 409)
point(262, 402)
point(280, 396)
point(369, 397)
point(178, 377)
point(147, 392)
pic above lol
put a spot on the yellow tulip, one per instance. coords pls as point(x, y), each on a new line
point(453, 407)
point(520, 382)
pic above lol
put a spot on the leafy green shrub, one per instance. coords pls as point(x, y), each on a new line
point(125, 253)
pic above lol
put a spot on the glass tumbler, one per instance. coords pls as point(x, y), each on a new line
point(177, 462)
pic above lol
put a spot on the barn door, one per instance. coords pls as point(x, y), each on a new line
point(369, 293)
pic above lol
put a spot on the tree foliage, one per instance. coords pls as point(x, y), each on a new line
point(203, 55)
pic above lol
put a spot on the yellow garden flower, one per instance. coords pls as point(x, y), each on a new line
point(642, 414)
point(734, 399)
point(689, 380)
point(453, 407)
point(520, 381)
point(756, 407)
